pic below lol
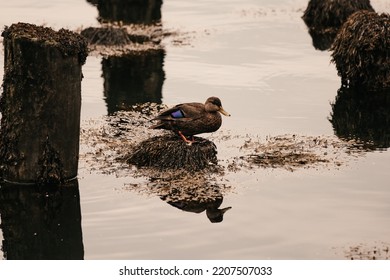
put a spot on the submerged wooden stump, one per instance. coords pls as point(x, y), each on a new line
point(361, 51)
point(171, 152)
point(325, 17)
point(41, 102)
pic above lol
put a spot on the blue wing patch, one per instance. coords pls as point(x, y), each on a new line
point(177, 114)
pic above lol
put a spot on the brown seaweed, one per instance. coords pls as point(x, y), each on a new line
point(361, 51)
point(325, 17)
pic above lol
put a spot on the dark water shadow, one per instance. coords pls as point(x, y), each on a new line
point(133, 78)
point(41, 222)
point(362, 115)
point(198, 204)
point(129, 11)
point(322, 40)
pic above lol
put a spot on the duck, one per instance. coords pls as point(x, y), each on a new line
point(189, 119)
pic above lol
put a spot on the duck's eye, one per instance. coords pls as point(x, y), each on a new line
point(217, 102)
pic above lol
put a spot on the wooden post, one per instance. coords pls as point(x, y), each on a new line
point(136, 77)
point(130, 11)
point(40, 106)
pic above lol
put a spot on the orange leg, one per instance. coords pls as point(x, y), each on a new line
point(189, 142)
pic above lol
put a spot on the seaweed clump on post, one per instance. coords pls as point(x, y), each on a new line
point(325, 17)
point(168, 152)
point(361, 51)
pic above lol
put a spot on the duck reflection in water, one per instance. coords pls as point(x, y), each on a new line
point(213, 212)
point(196, 199)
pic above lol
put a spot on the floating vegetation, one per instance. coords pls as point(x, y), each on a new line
point(117, 39)
point(325, 17)
point(363, 251)
point(113, 35)
point(361, 51)
point(291, 152)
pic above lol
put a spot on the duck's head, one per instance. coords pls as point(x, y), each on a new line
point(213, 104)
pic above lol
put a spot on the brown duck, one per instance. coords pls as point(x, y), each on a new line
point(189, 119)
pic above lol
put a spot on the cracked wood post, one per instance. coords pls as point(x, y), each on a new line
point(40, 105)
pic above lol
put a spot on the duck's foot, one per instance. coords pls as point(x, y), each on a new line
point(188, 142)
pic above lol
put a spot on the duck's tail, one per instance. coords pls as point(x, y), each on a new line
point(157, 126)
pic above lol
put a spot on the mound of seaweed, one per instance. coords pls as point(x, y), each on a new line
point(323, 14)
point(361, 51)
point(117, 39)
point(325, 17)
point(112, 35)
point(170, 152)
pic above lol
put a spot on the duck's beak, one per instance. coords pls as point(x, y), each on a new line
point(222, 111)
point(223, 210)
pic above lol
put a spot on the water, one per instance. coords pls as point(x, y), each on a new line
point(257, 56)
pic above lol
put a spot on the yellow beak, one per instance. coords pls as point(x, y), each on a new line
point(222, 111)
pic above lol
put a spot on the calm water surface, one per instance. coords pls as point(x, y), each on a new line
point(257, 56)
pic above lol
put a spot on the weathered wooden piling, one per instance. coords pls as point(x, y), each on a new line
point(136, 77)
point(361, 51)
point(40, 105)
point(325, 17)
point(170, 152)
point(130, 11)
point(41, 222)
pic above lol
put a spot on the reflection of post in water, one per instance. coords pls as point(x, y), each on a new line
point(136, 77)
point(41, 222)
point(362, 115)
point(130, 11)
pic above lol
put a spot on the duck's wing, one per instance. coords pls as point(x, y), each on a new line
point(184, 111)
